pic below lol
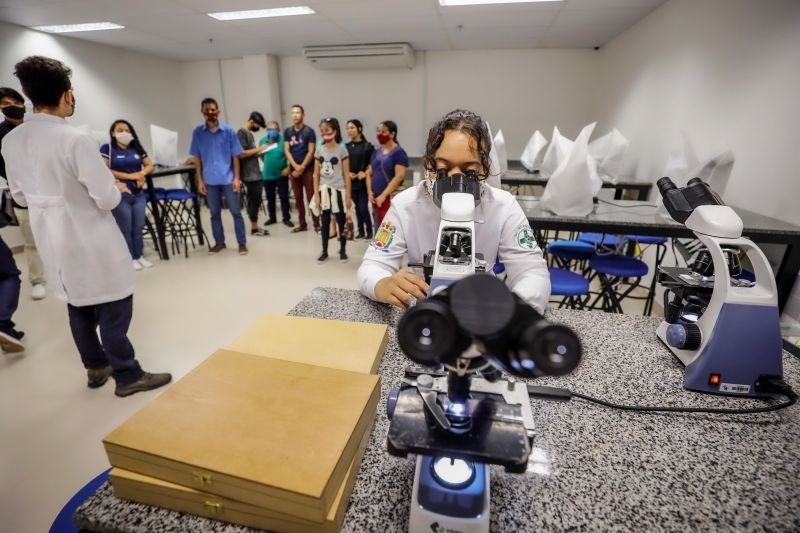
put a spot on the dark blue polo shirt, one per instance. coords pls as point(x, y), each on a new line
point(299, 142)
point(125, 160)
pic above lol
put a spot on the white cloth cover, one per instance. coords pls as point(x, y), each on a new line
point(531, 157)
point(570, 189)
point(495, 171)
point(609, 151)
point(502, 154)
point(165, 146)
point(556, 153)
point(716, 171)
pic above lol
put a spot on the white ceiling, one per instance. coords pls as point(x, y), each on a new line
point(180, 29)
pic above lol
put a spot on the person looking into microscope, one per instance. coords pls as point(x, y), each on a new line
point(458, 143)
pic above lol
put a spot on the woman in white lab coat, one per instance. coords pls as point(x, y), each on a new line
point(458, 143)
point(57, 172)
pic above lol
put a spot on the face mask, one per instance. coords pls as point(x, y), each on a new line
point(255, 129)
point(211, 116)
point(444, 184)
point(327, 137)
point(383, 139)
point(73, 106)
point(273, 135)
point(14, 112)
point(124, 137)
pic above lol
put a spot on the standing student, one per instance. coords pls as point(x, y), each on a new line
point(251, 174)
point(299, 146)
point(12, 106)
point(215, 148)
point(276, 173)
point(55, 170)
point(458, 143)
point(332, 184)
point(386, 171)
point(360, 152)
point(129, 164)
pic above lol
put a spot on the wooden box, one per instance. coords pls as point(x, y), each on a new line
point(333, 343)
point(270, 433)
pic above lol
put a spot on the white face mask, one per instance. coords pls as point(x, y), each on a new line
point(124, 137)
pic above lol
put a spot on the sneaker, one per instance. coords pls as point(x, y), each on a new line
point(288, 223)
point(360, 235)
point(216, 249)
point(242, 249)
point(137, 265)
point(270, 222)
point(343, 257)
point(11, 341)
point(259, 232)
point(145, 263)
point(97, 377)
point(299, 229)
point(39, 291)
point(368, 236)
point(148, 381)
point(322, 258)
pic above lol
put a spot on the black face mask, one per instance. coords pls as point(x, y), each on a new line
point(73, 106)
point(468, 183)
point(14, 112)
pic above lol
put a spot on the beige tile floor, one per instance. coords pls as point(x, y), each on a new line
point(51, 424)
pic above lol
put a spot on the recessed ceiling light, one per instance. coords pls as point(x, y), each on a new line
point(262, 13)
point(69, 28)
point(448, 3)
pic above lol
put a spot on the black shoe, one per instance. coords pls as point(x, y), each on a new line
point(270, 222)
point(360, 235)
point(343, 257)
point(259, 232)
point(368, 236)
point(322, 258)
point(97, 377)
point(10, 341)
point(288, 223)
point(146, 382)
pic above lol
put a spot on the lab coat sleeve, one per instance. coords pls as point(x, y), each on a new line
point(13, 186)
point(94, 174)
point(523, 259)
point(384, 256)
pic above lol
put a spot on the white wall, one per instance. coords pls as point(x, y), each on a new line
point(517, 91)
point(728, 73)
point(109, 83)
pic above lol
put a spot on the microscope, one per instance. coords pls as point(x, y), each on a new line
point(462, 415)
point(724, 327)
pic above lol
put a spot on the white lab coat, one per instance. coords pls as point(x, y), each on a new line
point(501, 230)
point(58, 173)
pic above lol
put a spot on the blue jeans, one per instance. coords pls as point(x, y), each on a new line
point(214, 195)
point(9, 287)
point(129, 215)
point(361, 200)
point(113, 347)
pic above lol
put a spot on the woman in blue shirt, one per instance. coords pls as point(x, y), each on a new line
point(129, 164)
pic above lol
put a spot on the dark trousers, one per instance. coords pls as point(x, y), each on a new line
point(361, 201)
point(282, 186)
point(336, 196)
point(9, 287)
point(255, 190)
point(304, 181)
point(113, 347)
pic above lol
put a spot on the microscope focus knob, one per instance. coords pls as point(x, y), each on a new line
point(684, 336)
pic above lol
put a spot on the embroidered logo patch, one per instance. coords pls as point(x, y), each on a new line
point(525, 238)
point(384, 236)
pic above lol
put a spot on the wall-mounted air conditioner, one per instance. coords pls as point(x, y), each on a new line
point(359, 56)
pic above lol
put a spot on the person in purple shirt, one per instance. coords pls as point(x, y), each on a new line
point(386, 170)
point(216, 148)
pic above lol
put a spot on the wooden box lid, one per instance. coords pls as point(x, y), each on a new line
point(352, 346)
point(273, 433)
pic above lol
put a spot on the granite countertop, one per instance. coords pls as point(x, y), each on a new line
point(592, 468)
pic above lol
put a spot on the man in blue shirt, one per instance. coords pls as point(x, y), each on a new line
point(215, 148)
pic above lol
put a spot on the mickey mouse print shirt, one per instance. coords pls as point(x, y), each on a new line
point(330, 165)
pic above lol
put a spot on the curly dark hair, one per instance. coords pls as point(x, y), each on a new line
point(44, 80)
point(334, 125)
point(464, 121)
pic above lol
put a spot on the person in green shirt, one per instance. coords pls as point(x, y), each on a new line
point(276, 173)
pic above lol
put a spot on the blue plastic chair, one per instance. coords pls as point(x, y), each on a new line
point(568, 251)
point(613, 272)
point(604, 240)
point(63, 522)
point(571, 286)
point(661, 251)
